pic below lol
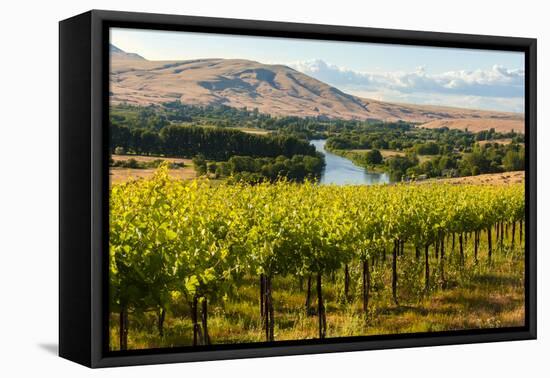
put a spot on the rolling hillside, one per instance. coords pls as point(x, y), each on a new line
point(274, 89)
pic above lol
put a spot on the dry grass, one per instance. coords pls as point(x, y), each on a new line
point(142, 158)
point(503, 141)
point(478, 124)
point(118, 175)
point(515, 177)
point(385, 153)
point(251, 130)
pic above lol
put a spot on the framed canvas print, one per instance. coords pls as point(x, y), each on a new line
point(234, 188)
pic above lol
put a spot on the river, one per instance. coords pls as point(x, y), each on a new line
point(342, 171)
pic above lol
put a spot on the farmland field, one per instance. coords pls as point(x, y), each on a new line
point(120, 174)
point(264, 271)
point(505, 178)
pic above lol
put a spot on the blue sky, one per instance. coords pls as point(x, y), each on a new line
point(425, 75)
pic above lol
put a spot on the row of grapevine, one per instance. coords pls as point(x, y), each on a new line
point(193, 241)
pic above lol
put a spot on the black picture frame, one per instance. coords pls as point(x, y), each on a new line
point(83, 181)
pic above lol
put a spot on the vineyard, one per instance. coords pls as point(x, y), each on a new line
point(193, 263)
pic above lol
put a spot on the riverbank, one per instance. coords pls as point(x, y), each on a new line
point(503, 178)
point(340, 170)
point(357, 157)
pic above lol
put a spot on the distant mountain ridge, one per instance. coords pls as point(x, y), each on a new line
point(117, 53)
point(274, 89)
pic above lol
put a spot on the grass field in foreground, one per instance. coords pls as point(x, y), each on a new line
point(475, 296)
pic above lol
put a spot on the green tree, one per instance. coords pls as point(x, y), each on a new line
point(514, 161)
point(199, 163)
point(374, 157)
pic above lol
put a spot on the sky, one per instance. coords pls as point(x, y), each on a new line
point(481, 79)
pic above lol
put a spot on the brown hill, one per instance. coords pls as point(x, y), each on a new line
point(478, 124)
point(275, 89)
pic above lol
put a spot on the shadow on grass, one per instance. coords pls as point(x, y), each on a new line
point(479, 303)
point(496, 280)
point(451, 303)
point(402, 309)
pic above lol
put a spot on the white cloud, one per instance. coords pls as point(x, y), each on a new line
point(498, 88)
